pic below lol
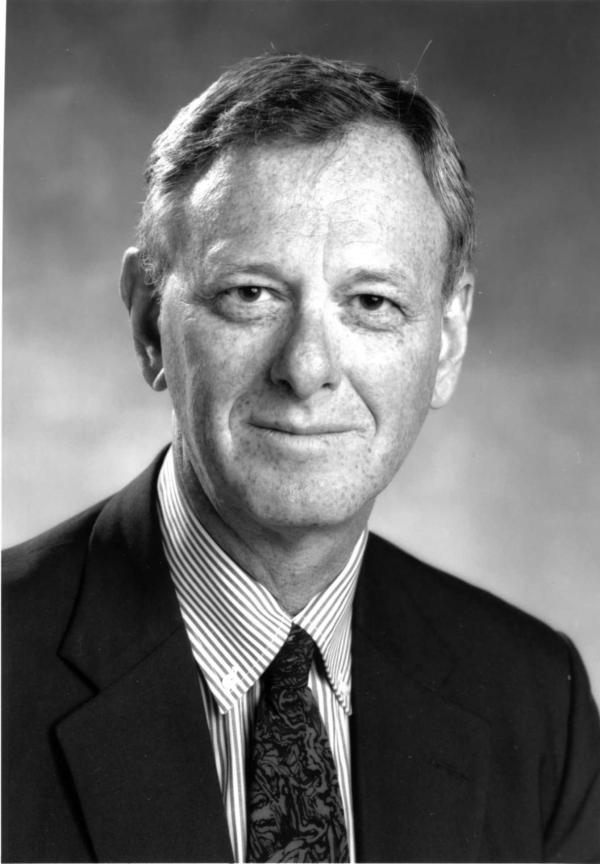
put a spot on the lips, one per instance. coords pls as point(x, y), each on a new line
point(314, 428)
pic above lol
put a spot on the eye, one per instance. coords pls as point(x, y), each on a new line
point(249, 293)
point(371, 302)
point(247, 303)
point(375, 311)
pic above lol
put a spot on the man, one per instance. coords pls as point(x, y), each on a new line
point(196, 671)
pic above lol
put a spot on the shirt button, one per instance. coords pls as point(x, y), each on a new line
point(229, 682)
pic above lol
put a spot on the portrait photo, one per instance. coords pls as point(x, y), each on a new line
point(249, 246)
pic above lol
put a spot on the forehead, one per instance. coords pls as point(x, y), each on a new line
point(366, 189)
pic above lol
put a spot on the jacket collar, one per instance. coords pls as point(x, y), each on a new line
point(126, 606)
point(419, 761)
point(139, 752)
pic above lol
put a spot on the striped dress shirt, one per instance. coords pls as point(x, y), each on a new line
point(236, 628)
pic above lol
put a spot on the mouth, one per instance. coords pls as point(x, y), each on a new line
point(310, 444)
point(303, 430)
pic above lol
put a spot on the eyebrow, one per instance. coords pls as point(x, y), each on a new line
point(259, 268)
point(395, 275)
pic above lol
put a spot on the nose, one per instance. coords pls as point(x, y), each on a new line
point(308, 361)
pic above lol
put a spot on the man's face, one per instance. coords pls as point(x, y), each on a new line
point(301, 326)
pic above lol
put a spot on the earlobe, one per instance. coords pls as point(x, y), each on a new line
point(160, 382)
point(455, 325)
point(140, 299)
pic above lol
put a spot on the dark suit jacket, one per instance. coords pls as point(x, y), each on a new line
point(473, 732)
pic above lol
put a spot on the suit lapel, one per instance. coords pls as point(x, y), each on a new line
point(139, 752)
point(420, 762)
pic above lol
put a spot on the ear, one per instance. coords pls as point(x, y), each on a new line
point(455, 325)
point(142, 303)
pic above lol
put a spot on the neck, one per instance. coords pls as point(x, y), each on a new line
point(293, 564)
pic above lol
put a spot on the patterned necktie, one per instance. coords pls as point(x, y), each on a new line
point(294, 805)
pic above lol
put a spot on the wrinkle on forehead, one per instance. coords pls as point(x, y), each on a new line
point(367, 187)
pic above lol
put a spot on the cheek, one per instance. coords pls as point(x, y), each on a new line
point(396, 381)
point(214, 369)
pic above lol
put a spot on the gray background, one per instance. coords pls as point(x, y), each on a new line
point(503, 485)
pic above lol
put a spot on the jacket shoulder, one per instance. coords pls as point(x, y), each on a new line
point(17, 559)
point(41, 576)
point(464, 614)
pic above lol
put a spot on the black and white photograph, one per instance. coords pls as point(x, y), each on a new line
point(301, 460)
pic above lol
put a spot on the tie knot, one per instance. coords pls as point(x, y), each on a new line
point(290, 667)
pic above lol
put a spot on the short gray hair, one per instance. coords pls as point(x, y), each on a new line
point(298, 98)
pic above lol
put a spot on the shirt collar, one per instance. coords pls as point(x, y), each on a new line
point(235, 626)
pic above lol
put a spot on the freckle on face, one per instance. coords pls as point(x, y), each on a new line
point(300, 410)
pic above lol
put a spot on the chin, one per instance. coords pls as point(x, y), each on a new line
point(303, 505)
